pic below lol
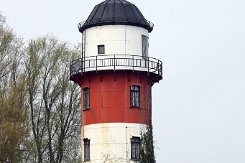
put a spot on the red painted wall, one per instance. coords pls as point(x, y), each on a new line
point(110, 97)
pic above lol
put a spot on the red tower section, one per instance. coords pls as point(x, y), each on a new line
point(110, 97)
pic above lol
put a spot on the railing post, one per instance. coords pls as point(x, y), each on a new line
point(133, 63)
point(158, 67)
point(148, 64)
point(81, 62)
point(161, 68)
point(84, 65)
point(96, 63)
point(114, 62)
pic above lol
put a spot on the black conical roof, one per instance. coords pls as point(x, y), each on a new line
point(116, 12)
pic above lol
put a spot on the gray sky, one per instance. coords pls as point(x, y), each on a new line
point(199, 106)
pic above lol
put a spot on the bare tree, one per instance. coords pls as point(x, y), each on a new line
point(39, 106)
point(53, 101)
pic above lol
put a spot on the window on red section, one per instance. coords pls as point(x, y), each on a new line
point(86, 98)
point(135, 96)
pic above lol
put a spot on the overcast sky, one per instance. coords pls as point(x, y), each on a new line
point(199, 106)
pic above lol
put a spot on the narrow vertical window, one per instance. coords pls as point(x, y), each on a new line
point(86, 149)
point(86, 98)
point(145, 46)
point(135, 96)
point(101, 49)
point(135, 148)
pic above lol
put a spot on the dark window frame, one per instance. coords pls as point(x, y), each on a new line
point(135, 96)
point(135, 148)
point(86, 149)
point(101, 49)
point(86, 98)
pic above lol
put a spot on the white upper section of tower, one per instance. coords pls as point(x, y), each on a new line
point(115, 40)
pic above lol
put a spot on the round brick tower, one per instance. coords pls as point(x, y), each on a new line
point(115, 74)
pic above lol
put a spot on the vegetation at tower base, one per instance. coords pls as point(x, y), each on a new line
point(39, 106)
point(147, 151)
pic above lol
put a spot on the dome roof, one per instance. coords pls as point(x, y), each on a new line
point(115, 12)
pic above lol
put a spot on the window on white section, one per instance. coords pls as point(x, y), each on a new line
point(145, 46)
point(86, 149)
point(135, 148)
point(101, 49)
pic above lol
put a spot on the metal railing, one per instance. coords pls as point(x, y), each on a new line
point(116, 62)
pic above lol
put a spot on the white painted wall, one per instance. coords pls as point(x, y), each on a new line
point(111, 139)
point(118, 39)
point(123, 41)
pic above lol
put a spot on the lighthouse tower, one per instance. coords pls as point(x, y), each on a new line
point(116, 75)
